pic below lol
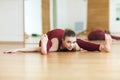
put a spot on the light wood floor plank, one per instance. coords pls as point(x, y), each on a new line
point(59, 65)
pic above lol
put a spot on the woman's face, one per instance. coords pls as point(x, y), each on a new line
point(69, 42)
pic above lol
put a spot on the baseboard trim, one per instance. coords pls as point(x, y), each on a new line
point(11, 42)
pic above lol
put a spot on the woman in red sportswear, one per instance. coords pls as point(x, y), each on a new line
point(65, 40)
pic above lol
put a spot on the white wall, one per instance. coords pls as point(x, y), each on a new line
point(61, 13)
point(11, 20)
point(114, 25)
point(72, 14)
point(51, 14)
point(69, 12)
point(33, 23)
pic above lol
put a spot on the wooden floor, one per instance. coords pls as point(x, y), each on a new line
point(60, 65)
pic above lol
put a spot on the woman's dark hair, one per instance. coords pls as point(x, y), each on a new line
point(69, 33)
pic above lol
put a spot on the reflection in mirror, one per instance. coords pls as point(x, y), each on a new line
point(114, 17)
point(32, 20)
point(64, 14)
point(69, 14)
point(118, 11)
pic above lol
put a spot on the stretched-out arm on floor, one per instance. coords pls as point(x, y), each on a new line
point(36, 49)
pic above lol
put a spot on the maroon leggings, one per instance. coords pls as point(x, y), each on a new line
point(57, 33)
point(100, 35)
point(88, 45)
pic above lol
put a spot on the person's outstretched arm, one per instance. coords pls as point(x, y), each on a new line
point(36, 49)
point(42, 48)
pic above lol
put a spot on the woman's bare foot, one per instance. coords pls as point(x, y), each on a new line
point(107, 45)
point(44, 40)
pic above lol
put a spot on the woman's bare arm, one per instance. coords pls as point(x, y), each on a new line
point(35, 49)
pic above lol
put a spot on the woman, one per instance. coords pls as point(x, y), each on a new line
point(65, 40)
point(100, 35)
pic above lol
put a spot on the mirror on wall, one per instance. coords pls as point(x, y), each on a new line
point(63, 14)
point(69, 14)
point(118, 11)
point(114, 17)
point(32, 20)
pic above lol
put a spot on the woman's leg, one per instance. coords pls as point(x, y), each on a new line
point(107, 45)
point(96, 47)
point(96, 35)
point(87, 45)
point(115, 37)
